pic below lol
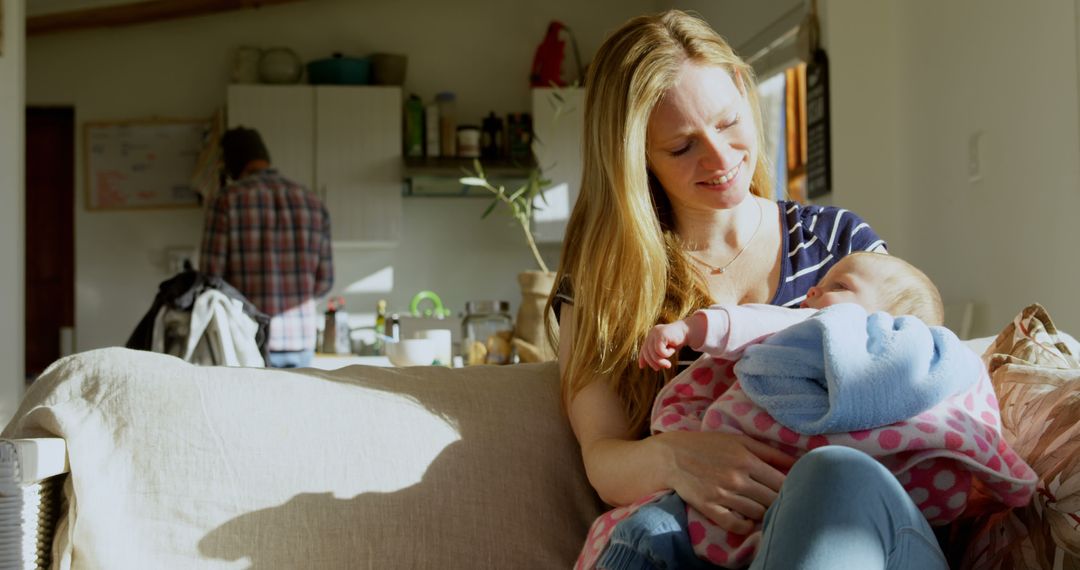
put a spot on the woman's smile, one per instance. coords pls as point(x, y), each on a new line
point(724, 180)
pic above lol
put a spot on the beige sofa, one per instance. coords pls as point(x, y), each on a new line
point(149, 462)
point(177, 466)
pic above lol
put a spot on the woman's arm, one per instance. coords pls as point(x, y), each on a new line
point(728, 478)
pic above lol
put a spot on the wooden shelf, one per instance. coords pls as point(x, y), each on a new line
point(450, 167)
point(437, 177)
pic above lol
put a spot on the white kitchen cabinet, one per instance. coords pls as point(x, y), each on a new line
point(558, 122)
point(342, 142)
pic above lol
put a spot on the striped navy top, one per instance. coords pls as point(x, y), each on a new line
point(815, 238)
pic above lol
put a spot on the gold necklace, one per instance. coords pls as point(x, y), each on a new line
point(719, 270)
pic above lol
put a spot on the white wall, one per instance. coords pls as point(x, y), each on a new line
point(738, 21)
point(481, 49)
point(866, 90)
point(12, 242)
point(912, 81)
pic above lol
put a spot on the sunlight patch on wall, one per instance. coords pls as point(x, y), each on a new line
point(557, 206)
point(382, 281)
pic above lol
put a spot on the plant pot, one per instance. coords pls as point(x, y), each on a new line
point(530, 334)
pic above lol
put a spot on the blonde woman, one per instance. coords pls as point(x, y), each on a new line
point(675, 214)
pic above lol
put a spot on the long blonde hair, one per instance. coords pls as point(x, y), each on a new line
point(624, 263)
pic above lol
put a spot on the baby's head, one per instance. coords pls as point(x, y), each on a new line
point(879, 282)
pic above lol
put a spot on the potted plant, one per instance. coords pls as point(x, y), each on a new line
point(530, 336)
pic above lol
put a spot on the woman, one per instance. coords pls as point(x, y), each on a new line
point(673, 216)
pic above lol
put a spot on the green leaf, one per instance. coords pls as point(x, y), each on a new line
point(491, 207)
point(519, 192)
point(473, 181)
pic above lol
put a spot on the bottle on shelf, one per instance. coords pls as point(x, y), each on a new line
point(491, 137)
point(519, 139)
point(414, 127)
point(431, 130)
point(447, 123)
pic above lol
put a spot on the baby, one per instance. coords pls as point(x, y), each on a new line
point(841, 370)
point(875, 281)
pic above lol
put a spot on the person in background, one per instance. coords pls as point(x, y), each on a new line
point(270, 238)
point(677, 212)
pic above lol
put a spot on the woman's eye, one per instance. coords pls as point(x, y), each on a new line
point(681, 150)
point(728, 124)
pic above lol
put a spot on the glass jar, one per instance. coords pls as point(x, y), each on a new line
point(468, 141)
point(486, 331)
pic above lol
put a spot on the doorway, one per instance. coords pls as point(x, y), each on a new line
point(50, 234)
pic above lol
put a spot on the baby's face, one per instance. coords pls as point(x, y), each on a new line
point(851, 280)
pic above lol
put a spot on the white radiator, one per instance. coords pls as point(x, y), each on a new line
point(32, 474)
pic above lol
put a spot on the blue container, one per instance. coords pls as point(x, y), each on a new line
point(340, 70)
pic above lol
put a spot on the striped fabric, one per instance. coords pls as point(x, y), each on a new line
point(270, 238)
point(815, 238)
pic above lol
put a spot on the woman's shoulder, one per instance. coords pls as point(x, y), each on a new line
point(830, 226)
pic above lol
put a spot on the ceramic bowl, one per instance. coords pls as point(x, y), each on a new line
point(413, 352)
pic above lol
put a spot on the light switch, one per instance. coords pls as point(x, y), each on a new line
point(974, 160)
point(176, 255)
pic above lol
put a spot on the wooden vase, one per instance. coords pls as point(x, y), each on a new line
point(530, 334)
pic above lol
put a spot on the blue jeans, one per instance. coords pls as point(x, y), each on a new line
point(838, 508)
point(655, 536)
point(292, 359)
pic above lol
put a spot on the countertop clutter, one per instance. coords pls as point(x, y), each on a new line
point(425, 334)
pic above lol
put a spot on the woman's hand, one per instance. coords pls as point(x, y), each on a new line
point(661, 343)
point(731, 479)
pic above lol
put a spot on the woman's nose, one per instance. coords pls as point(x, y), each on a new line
point(713, 152)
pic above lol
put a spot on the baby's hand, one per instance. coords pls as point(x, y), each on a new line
point(661, 343)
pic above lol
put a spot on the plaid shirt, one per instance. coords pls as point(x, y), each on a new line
point(270, 238)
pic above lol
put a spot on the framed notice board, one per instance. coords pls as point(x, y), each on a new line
point(818, 143)
point(141, 164)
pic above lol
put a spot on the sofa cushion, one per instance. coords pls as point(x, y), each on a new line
point(178, 466)
point(1035, 375)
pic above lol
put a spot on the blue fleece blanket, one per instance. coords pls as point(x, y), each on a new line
point(842, 370)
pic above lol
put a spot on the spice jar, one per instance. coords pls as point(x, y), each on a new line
point(486, 331)
point(468, 141)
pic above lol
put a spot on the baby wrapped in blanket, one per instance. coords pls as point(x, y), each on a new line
point(910, 395)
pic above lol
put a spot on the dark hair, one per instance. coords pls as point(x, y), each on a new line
point(240, 146)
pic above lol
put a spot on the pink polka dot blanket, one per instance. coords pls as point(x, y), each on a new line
point(941, 454)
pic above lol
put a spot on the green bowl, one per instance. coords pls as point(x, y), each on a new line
point(340, 70)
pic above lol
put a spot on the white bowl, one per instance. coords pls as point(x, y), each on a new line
point(413, 352)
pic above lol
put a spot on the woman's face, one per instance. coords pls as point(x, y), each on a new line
point(702, 141)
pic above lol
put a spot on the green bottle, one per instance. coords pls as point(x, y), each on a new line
point(414, 127)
